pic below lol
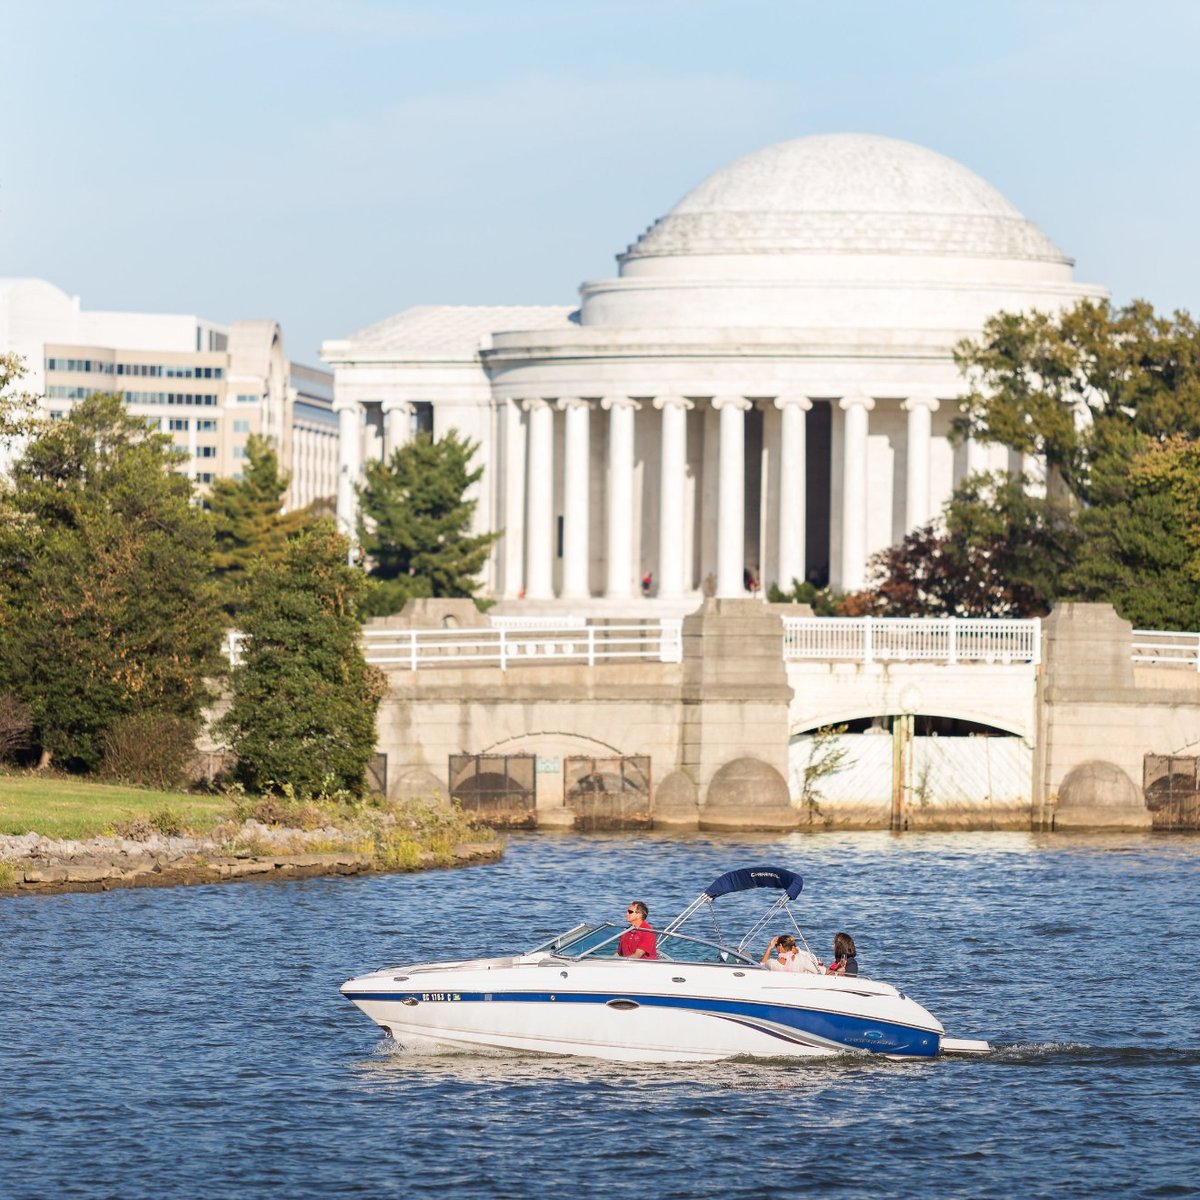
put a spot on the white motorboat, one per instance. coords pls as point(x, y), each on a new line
point(700, 999)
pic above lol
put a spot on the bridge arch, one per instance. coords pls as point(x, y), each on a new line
point(927, 723)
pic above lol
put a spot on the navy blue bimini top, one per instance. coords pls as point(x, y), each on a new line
point(745, 878)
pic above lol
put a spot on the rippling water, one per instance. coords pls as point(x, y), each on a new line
point(192, 1042)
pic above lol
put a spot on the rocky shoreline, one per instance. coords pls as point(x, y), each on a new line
point(31, 864)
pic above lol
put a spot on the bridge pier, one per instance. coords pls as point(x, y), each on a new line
point(735, 697)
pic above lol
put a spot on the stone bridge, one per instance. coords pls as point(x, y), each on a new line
point(743, 716)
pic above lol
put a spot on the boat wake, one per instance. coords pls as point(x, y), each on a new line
point(1079, 1054)
point(1020, 1054)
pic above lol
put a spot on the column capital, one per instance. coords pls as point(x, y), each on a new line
point(609, 403)
point(846, 403)
point(395, 404)
point(535, 403)
point(738, 402)
point(803, 403)
point(932, 403)
point(661, 402)
point(342, 404)
point(565, 402)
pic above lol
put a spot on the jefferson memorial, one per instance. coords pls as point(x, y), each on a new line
point(763, 393)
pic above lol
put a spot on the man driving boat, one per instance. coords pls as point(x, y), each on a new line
point(638, 940)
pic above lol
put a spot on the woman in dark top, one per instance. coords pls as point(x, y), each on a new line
point(845, 956)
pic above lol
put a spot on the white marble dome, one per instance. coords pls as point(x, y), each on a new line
point(847, 192)
point(860, 235)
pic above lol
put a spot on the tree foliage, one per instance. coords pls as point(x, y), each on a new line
point(304, 699)
point(1139, 540)
point(249, 522)
point(998, 552)
point(1108, 400)
point(414, 523)
point(106, 608)
point(1088, 384)
point(18, 409)
point(823, 602)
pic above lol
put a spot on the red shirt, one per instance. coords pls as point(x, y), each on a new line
point(640, 937)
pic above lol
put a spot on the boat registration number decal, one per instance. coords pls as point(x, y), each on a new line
point(441, 996)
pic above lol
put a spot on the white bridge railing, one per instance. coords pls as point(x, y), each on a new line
point(916, 639)
point(653, 641)
point(511, 642)
point(1161, 648)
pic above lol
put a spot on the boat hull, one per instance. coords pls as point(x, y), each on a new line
point(644, 1012)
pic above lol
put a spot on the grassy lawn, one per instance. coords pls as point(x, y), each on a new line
point(75, 808)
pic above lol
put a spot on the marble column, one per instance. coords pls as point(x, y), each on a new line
point(513, 497)
point(793, 412)
point(673, 578)
point(397, 425)
point(350, 418)
point(576, 485)
point(621, 572)
point(976, 456)
point(731, 496)
point(855, 428)
point(539, 503)
point(920, 411)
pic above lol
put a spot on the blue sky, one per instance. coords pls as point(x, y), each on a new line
point(330, 162)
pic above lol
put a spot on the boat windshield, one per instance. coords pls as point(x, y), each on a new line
point(561, 939)
point(602, 941)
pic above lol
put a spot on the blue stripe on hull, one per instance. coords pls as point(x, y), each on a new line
point(830, 1029)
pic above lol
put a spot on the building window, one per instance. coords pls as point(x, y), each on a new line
point(244, 398)
point(204, 476)
point(206, 452)
point(241, 427)
point(178, 423)
point(239, 452)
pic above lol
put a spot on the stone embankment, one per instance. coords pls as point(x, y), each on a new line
point(32, 864)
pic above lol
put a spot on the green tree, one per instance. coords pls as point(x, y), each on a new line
point(249, 522)
point(304, 699)
point(106, 608)
point(1090, 383)
point(1139, 544)
point(1096, 391)
point(414, 523)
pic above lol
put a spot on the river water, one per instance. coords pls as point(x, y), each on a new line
point(192, 1042)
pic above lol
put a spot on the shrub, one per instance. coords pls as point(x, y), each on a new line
point(137, 830)
point(168, 822)
point(152, 749)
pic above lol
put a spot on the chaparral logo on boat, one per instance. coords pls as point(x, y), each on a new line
point(763, 875)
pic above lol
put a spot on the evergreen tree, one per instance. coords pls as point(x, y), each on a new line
point(414, 523)
point(248, 520)
point(304, 699)
point(106, 608)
